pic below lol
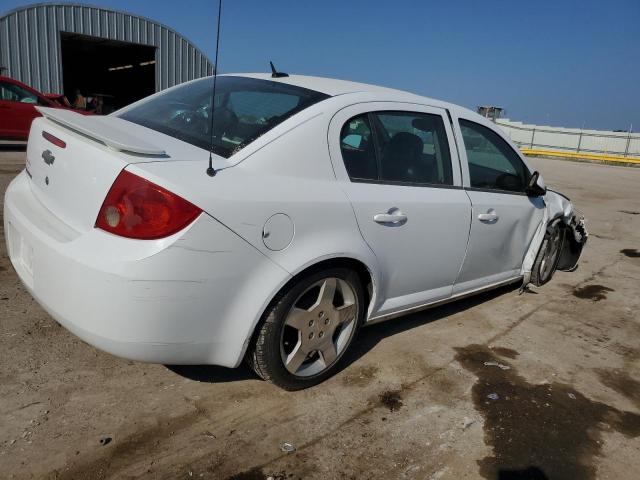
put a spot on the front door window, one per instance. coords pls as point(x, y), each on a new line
point(493, 164)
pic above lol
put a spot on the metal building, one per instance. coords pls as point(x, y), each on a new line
point(59, 48)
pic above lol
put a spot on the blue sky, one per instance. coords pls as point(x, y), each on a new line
point(565, 63)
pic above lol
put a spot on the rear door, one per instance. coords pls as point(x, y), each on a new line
point(504, 219)
point(399, 168)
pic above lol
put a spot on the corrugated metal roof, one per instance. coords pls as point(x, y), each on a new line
point(30, 43)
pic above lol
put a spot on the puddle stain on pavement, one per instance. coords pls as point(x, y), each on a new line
point(258, 474)
point(538, 431)
point(252, 474)
point(592, 292)
point(391, 399)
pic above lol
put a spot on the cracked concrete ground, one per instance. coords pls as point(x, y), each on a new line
point(544, 385)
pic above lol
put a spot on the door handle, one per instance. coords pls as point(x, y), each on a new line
point(489, 217)
point(393, 217)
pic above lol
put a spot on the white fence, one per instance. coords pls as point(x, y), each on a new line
point(575, 140)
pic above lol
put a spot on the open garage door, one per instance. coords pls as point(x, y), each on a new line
point(120, 72)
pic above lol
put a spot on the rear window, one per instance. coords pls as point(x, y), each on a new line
point(245, 108)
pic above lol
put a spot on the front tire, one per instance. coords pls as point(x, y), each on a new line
point(548, 256)
point(308, 328)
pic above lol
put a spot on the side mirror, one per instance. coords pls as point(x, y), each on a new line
point(536, 186)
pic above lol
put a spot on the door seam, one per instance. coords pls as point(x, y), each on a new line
point(466, 251)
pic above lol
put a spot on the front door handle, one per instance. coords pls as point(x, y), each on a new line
point(393, 217)
point(489, 217)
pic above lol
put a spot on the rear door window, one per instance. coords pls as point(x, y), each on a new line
point(397, 147)
point(413, 148)
point(358, 149)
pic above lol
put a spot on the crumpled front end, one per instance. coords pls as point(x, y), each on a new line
point(575, 238)
point(558, 209)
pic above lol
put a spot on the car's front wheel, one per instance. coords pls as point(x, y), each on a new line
point(547, 259)
point(308, 328)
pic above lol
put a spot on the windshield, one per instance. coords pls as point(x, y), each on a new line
point(245, 108)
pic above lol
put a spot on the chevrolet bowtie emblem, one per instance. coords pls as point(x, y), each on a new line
point(48, 157)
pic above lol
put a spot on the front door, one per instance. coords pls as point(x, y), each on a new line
point(504, 219)
point(397, 166)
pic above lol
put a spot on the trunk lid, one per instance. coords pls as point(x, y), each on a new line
point(110, 131)
point(73, 180)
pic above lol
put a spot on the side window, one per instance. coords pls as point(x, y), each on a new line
point(14, 93)
point(413, 148)
point(5, 93)
point(358, 150)
point(493, 164)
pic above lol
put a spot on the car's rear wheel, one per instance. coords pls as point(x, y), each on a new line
point(308, 328)
point(547, 260)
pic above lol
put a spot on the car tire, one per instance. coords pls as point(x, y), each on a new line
point(292, 346)
point(548, 256)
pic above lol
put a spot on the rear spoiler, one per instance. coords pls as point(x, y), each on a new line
point(112, 131)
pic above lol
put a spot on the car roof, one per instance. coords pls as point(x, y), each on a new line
point(334, 87)
point(329, 86)
point(20, 84)
point(10, 80)
point(375, 93)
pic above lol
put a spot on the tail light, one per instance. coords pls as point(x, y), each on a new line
point(53, 139)
point(137, 208)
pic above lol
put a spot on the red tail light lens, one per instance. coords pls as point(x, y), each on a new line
point(137, 208)
point(53, 139)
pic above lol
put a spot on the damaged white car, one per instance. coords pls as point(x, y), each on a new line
point(329, 205)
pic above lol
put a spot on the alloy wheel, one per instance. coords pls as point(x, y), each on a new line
point(318, 327)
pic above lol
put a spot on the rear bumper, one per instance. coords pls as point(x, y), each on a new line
point(192, 298)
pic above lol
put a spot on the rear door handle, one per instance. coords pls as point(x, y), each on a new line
point(489, 217)
point(393, 217)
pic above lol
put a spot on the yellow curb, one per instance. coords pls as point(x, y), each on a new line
point(588, 156)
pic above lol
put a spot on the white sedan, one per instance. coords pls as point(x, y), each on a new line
point(331, 205)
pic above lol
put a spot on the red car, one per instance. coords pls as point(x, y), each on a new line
point(17, 107)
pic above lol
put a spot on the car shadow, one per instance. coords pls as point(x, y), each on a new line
point(370, 336)
point(366, 340)
point(214, 373)
point(13, 147)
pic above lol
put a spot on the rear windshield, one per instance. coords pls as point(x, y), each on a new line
point(245, 108)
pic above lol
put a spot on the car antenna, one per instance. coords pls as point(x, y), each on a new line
point(275, 73)
point(210, 170)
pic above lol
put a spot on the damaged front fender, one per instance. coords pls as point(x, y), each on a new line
point(559, 209)
point(574, 240)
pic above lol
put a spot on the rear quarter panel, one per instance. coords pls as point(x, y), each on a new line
point(291, 174)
